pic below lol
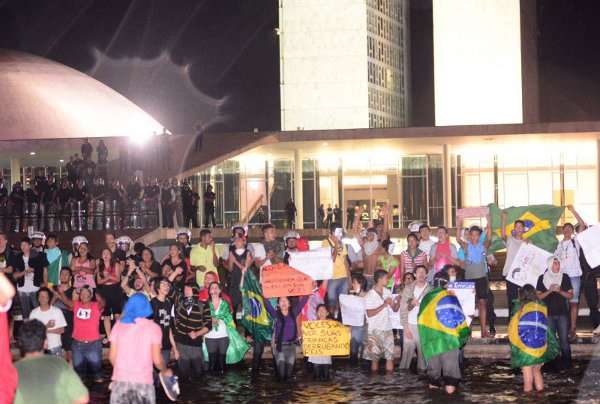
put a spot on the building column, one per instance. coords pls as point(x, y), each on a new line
point(598, 176)
point(15, 170)
point(340, 189)
point(447, 185)
point(298, 194)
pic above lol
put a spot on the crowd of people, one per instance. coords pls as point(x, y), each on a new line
point(177, 317)
point(85, 198)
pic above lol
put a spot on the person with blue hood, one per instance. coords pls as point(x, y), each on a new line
point(135, 348)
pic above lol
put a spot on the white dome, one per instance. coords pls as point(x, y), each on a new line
point(43, 99)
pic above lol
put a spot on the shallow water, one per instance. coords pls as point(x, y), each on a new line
point(485, 381)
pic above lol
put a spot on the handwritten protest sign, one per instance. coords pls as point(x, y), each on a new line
point(353, 310)
point(529, 263)
point(281, 280)
point(325, 338)
point(589, 240)
point(316, 263)
point(465, 293)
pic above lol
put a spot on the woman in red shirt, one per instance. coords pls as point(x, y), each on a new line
point(108, 280)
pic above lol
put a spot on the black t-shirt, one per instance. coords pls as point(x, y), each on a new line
point(63, 195)
point(151, 191)
point(50, 192)
point(79, 194)
point(186, 196)
point(557, 304)
point(209, 199)
point(31, 196)
point(162, 316)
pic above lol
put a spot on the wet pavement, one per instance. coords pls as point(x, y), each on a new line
point(485, 381)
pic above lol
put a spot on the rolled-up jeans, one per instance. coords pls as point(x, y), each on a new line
point(87, 358)
point(560, 324)
point(357, 338)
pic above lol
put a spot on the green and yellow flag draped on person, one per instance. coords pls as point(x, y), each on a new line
point(255, 317)
point(540, 225)
point(442, 323)
point(531, 340)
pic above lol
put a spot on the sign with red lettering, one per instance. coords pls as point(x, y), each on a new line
point(282, 280)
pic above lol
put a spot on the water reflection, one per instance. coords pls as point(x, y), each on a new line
point(485, 381)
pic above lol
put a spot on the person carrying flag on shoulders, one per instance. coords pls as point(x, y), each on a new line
point(443, 331)
point(532, 342)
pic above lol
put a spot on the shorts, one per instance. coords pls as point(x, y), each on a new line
point(113, 297)
point(380, 344)
point(127, 392)
point(481, 287)
point(576, 283)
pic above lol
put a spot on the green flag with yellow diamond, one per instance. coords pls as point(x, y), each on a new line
point(540, 224)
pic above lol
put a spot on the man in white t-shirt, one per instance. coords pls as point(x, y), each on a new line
point(567, 251)
point(425, 240)
point(52, 317)
point(380, 341)
point(513, 243)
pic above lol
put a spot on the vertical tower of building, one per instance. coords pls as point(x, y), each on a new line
point(343, 63)
point(485, 61)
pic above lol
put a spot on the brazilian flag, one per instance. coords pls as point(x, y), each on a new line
point(532, 342)
point(442, 323)
point(540, 225)
point(255, 317)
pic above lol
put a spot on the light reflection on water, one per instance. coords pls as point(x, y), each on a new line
point(485, 381)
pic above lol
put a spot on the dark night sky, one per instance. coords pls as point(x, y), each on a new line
point(232, 55)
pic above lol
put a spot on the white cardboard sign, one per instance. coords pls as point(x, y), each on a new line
point(353, 310)
point(529, 263)
point(317, 263)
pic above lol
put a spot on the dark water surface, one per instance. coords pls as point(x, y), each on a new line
point(485, 381)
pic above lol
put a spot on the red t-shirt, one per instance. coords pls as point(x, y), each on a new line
point(86, 321)
point(8, 373)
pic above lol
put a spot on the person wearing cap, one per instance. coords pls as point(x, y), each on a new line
point(240, 259)
point(555, 289)
point(183, 238)
point(290, 239)
point(135, 349)
point(203, 257)
point(37, 241)
point(340, 281)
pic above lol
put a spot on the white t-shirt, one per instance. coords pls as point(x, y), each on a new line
point(512, 247)
point(414, 313)
point(28, 286)
point(52, 313)
point(567, 252)
point(221, 330)
point(381, 321)
point(425, 245)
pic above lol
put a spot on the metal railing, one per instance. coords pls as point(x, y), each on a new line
point(80, 216)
